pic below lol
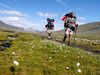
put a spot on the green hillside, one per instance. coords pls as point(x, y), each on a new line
point(30, 54)
point(90, 28)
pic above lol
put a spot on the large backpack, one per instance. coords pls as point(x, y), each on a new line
point(65, 16)
point(49, 26)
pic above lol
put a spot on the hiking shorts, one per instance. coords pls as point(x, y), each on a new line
point(69, 31)
point(49, 30)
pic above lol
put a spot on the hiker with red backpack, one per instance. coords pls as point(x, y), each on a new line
point(49, 27)
point(70, 26)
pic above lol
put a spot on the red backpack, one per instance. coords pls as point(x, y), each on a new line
point(65, 16)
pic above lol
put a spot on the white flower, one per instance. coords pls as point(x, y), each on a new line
point(69, 51)
point(50, 57)
point(50, 45)
point(19, 49)
point(30, 49)
point(79, 70)
point(78, 56)
point(65, 51)
point(41, 47)
point(32, 52)
point(64, 56)
point(13, 53)
point(67, 68)
point(60, 47)
point(55, 51)
point(16, 62)
point(79, 53)
point(78, 64)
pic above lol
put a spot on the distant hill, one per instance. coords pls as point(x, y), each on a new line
point(6, 27)
point(93, 27)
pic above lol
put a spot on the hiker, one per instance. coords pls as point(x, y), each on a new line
point(49, 27)
point(70, 26)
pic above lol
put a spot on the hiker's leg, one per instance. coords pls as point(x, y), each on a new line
point(65, 36)
point(69, 39)
point(49, 34)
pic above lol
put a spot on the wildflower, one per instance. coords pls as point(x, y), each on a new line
point(45, 47)
point(50, 57)
point(13, 53)
point(64, 56)
point(78, 64)
point(16, 62)
point(30, 49)
point(79, 53)
point(55, 51)
point(60, 47)
point(79, 70)
point(41, 47)
point(19, 49)
point(32, 52)
point(50, 45)
point(65, 51)
point(69, 51)
point(67, 68)
point(78, 56)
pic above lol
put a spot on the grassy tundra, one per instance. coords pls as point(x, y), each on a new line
point(29, 54)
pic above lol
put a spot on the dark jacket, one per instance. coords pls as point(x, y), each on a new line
point(49, 26)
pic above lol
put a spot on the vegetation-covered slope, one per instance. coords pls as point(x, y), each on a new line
point(32, 55)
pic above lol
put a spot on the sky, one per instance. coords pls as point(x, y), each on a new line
point(32, 14)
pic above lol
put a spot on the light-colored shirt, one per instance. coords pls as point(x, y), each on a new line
point(70, 21)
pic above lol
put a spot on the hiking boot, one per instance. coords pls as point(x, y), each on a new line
point(49, 37)
point(69, 44)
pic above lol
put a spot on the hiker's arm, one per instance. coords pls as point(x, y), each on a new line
point(66, 23)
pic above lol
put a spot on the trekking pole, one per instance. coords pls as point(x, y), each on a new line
point(75, 34)
point(74, 38)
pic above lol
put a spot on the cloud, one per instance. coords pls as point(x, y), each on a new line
point(62, 3)
point(6, 6)
point(11, 12)
point(80, 23)
point(21, 22)
point(41, 14)
point(82, 18)
point(14, 20)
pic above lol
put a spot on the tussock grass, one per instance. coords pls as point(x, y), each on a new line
point(43, 57)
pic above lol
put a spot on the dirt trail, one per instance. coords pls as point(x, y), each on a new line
point(83, 47)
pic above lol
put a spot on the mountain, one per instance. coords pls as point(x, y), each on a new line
point(91, 28)
point(4, 26)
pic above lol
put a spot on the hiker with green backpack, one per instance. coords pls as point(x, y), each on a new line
point(70, 26)
point(49, 27)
